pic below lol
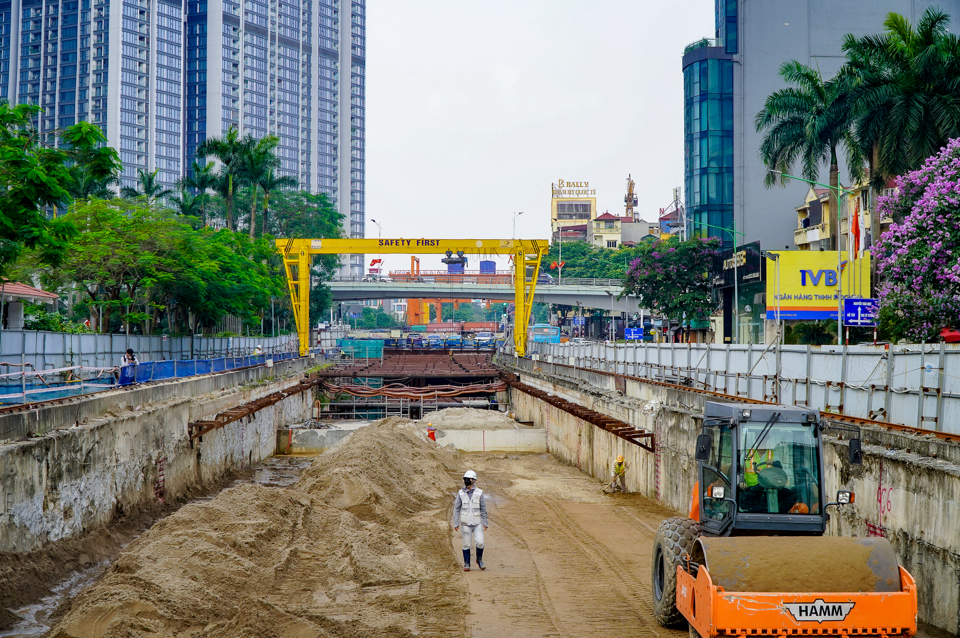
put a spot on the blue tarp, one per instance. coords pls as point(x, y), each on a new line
point(160, 370)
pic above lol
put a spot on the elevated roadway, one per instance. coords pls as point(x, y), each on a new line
point(587, 293)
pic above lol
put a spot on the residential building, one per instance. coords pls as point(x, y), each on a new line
point(159, 81)
point(813, 232)
point(727, 79)
point(290, 68)
point(633, 231)
point(605, 231)
point(117, 63)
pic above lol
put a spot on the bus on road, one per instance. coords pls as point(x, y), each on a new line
point(544, 333)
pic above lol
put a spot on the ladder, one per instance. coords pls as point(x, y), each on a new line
point(428, 403)
point(395, 407)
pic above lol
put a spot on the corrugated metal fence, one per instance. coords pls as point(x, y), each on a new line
point(917, 385)
point(48, 350)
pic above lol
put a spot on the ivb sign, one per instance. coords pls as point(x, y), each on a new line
point(633, 333)
point(861, 313)
point(819, 611)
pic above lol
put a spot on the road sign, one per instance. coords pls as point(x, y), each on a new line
point(861, 313)
point(579, 321)
point(633, 333)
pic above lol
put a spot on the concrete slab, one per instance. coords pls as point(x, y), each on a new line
point(527, 440)
point(315, 441)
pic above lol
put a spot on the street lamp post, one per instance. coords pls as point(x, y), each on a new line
point(775, 257)
point(380, 255)
point(839, 192)
point(736, 287)
point(515, 224)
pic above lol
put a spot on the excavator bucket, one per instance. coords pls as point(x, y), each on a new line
point(787, 586)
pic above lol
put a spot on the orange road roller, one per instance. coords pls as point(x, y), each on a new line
point(751, 559)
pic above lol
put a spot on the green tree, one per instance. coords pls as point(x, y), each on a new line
point(672, 278)
point(907, 83)
point(244, 281)
point(271, 183)
point(254, 167)
point(123, 250)
point(807, 122)
point(231, 151)
point(200, 179)
point(187, 205)
point(33, 176)
point(584, 260)
point(147, 186)
point(814, 333)
point(83, 186)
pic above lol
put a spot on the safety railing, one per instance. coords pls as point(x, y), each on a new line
point(161, 370)
point(43, 385)
point(57, 383)
point(491, 279)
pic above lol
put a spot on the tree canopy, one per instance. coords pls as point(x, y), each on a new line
point(34, 176)
point(919, 259)
point(673, 278)
point(905, 92)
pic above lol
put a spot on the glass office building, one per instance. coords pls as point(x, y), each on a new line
point(708, 142)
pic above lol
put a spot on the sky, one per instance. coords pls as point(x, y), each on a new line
point(474, 108)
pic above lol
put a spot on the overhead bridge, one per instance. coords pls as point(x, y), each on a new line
point(587, 293)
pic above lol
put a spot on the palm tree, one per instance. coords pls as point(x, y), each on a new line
point(807, 122)
point(256, 164)
point(907, 83)
point(230, 150)
point(200, 179)
point(147, 186)
point(188, 205)
point(271, 183)
point(815, 333)
point(85, 186)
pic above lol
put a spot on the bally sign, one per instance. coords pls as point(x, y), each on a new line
point(564, 188)
point(819, 611)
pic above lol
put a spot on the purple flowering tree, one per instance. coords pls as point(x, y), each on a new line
point(919, 256)
point(673, 277)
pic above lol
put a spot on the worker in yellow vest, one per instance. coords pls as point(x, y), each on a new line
point(754, 463)
point(619, 475)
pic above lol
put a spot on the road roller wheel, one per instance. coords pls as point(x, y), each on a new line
point(674, 538)
point(693, 632)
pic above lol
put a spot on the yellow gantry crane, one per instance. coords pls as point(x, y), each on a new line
point(526, 254)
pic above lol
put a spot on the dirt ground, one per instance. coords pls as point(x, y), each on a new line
point(562, 559)
point(357, 547)
point(362, 546)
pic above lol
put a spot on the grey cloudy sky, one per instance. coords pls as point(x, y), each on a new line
point(475, 108)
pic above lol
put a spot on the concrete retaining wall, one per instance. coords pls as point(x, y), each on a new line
point(49, 416)
point(301, 441)
point(135, 452)
point(495, 440)
point(908, 488)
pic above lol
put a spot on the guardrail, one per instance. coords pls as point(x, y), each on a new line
point(916, 385)
point(454, 278)
point(58, 383)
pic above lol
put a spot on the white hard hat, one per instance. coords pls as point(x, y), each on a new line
point(470, 475)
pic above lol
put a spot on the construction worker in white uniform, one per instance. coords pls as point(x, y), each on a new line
point(470, 513)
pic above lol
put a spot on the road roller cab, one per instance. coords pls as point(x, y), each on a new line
point(751, 558)
point(761, 468)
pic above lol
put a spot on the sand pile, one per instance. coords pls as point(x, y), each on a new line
point(359, 547)
point(470, 419)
